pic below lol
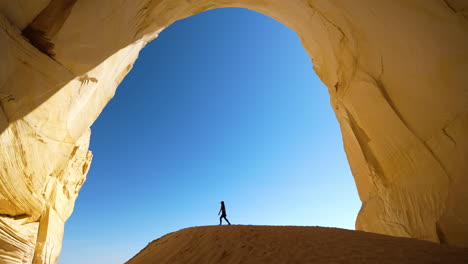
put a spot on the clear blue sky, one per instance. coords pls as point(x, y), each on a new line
point(223, 105)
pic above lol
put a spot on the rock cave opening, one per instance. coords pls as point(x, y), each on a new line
point(395, 72)
point(222, 105)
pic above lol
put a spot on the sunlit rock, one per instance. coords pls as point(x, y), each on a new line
point(396, 73)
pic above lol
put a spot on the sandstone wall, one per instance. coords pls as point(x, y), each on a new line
point(396, 71)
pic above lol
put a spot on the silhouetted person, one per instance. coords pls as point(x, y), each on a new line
point(222, 211)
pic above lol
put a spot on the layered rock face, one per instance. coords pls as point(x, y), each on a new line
point(396, 72)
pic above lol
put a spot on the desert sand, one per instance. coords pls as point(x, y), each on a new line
point(291, 244)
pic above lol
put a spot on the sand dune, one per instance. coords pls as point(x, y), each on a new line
point(291, 244)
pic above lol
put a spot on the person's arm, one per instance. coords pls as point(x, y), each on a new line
point(220, 210)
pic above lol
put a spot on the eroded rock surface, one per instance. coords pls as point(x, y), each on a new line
point(396, 73)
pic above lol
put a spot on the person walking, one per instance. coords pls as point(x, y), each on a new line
point(222, 211)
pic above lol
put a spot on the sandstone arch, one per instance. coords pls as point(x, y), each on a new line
point(395, 70)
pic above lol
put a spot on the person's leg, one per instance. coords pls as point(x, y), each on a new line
point(220, 218)
point(226, 220)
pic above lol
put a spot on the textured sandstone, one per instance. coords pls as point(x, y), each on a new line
point(396, 72)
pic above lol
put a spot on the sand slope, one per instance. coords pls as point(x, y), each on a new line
point(291, 244)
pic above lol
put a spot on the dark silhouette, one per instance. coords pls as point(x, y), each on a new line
point(222, 211)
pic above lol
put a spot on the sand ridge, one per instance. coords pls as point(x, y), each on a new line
point(291, 244)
